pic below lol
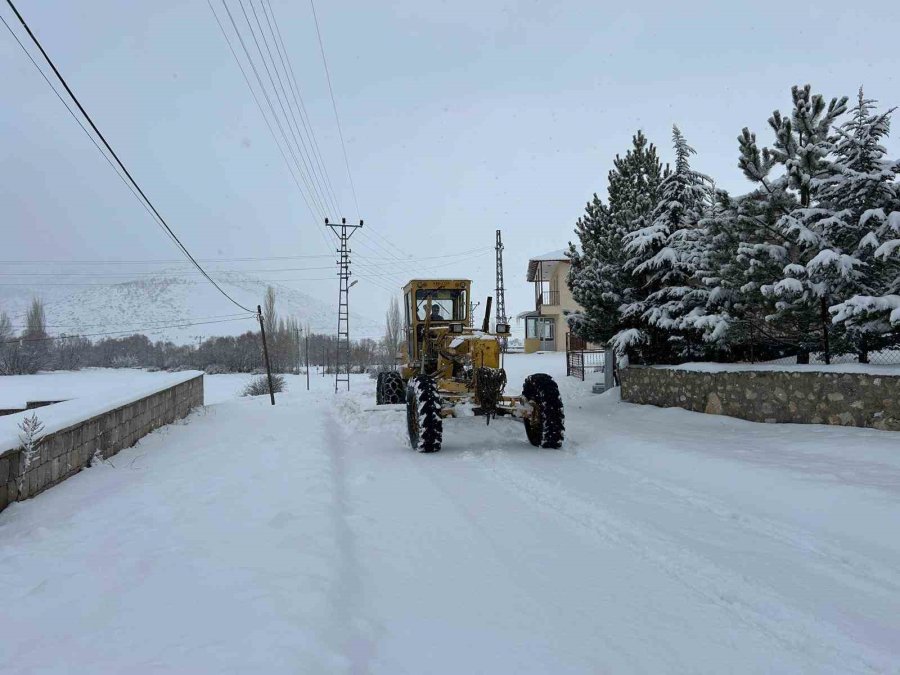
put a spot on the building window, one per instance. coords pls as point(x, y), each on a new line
point(540, 328)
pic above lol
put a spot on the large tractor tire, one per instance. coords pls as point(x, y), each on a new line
point(389, 388)
point(545, 428)
point(423, 414)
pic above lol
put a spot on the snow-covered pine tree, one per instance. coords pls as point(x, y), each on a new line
point(594, 275)
point(864, 193)
point(663, 258)
point(597, 278)
point(791, 258)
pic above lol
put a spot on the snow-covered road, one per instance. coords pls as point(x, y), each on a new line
point(308, 538)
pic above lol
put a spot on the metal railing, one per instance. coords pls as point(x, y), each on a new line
point(548, 298)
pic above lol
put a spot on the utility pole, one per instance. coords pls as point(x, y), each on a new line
point(307, 360)
point(262, 333)
point(342, 350)
point(501, 300)
point(472, 307)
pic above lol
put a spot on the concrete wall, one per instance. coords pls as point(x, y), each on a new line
point(66, 452)
point(807, 397)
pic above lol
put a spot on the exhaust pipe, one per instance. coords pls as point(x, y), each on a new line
point(486, 324)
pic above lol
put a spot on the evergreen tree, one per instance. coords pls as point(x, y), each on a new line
point(663, 259)
point(865, 194)
point(597, 278)
point(791, 257)
point(594, 275)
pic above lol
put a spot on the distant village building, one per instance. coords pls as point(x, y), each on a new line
point(546, 327)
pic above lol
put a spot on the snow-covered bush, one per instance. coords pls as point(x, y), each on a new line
point(30, 438)
point(259, 386)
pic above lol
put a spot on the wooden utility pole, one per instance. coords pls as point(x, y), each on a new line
point(262, 332)
point(307, 360)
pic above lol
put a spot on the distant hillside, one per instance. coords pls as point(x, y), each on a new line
point(162, 300)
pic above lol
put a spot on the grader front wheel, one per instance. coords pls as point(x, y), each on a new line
point(423, 414)
point(545, 426)
point(389, 388)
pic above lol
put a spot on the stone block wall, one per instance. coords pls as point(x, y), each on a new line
point(64, 453)
point(807, 397)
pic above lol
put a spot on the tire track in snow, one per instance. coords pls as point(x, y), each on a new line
point(346, 592)
point(752, 605)
point(835, 559)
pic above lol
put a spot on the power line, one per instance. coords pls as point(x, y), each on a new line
point(305, 152)
point(337, 117)
point(323, 202)
point(308, 196)
point(298, 98)
point(151, 329)
point(97, 325)
point(179, 261)
point(79, 122)
point(306, 199)
point(377, 266)
point(112, 152)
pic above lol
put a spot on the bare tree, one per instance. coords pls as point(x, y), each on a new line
point(8, 347)
point(6, 329)
point(393, 335)
point(270, 315)
point(35, 349)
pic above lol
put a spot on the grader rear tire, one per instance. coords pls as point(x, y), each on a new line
point(546, 427)
point(389, 388)
point(378, 397)
point(423, 415)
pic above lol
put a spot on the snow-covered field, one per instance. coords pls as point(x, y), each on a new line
point(308, 538)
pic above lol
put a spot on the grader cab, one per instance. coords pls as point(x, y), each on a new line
point(449, 369)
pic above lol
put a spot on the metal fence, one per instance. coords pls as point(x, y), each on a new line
point(581, 359)
point(880, 357)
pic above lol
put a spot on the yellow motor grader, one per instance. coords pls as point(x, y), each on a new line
point(448, 369)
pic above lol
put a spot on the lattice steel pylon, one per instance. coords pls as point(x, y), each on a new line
point(500, 315)
point(342, 350)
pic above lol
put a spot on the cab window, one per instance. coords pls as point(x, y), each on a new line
point(446, 305)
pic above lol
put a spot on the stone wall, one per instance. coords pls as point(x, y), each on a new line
point(807, 397)
point(64, 453)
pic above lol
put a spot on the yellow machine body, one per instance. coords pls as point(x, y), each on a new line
point(452, 366)
point(441, 343)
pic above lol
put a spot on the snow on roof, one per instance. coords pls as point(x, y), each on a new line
point(552, 256)
point(60, 416)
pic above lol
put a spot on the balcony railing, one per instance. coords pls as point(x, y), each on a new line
point(547, 298)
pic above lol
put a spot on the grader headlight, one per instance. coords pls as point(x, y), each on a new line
point(456, 328)
point(502, 329)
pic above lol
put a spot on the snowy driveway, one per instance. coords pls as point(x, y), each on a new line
point(308, 538)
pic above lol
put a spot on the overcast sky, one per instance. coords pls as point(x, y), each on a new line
point(459, 118)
